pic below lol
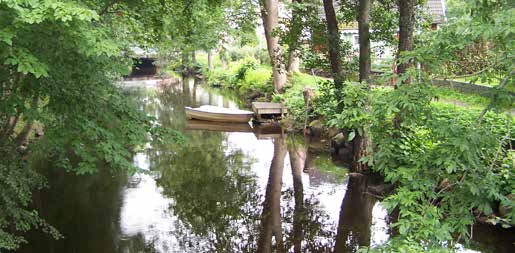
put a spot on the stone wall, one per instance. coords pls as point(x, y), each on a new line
point(466, 87)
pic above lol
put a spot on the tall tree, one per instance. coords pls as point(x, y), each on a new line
point(270, 17)
point(362, 142)
point(333, 39)
point(295, 33)
point(364, 7)
point(406, 28)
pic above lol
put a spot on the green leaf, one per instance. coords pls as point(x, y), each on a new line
point(6, 36)
point(351, 136)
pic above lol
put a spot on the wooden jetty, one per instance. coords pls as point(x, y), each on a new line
point(268, 131)
point(264, 111)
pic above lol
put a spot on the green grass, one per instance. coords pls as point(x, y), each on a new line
point(450, 96)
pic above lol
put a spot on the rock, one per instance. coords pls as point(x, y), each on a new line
point(354, 174)
point(38, 132)
point(332, 131)
point(338, 141)
point(380, 190)
point(315, 128)
point(22, 149)
point(254, 95)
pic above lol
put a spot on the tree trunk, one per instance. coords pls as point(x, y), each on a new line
point(185, 59)
point(364, 40)
point(223, 57)
point(295, 32)
point(210, 60)
point(271, 216)
point(361, 142)
point(11, 124)
point(270, 17)
point(406, 28)
point(333, 41)
point(360, 147)
point(293, 62)
point(193, 57)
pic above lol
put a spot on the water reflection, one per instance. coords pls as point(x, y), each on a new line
point(355, 216)
point(219, 192)
point(271, 225)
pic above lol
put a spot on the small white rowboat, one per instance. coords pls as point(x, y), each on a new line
point(220, 114)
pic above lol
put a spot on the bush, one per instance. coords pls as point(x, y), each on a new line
point(237, 54)
point(242, 70)
point(258, 80)
point(262, 56)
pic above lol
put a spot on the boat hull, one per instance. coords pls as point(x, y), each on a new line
point(194, 124)
point(193, 113)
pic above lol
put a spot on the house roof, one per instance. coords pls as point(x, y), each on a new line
point(436, 8)
point(433, 8)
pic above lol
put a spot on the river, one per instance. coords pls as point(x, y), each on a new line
point(216, 192)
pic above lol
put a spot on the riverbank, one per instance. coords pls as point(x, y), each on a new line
point(216, 185)
point(441, 121)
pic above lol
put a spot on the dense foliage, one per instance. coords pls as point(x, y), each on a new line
point(58, 64)
point(451, 166)
point(448, 155)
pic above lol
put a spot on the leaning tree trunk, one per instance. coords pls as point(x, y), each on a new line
point(406, 28)
point(333, 40)
point(270, 17)
point(361, 143)
point(295, 32)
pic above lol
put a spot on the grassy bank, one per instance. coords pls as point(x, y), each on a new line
point(250, 80)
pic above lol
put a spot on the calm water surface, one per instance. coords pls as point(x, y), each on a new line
point(217, 192)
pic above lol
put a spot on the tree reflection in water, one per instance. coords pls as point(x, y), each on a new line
point(271, 216)
point(291, 222)
point(220, 207)
point(354, 226)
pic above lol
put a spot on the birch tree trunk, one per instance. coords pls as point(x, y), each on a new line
point(270, 17)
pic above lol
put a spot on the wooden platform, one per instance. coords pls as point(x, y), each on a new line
point(269, 110)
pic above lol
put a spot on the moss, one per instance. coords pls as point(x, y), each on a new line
point(325, 164)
